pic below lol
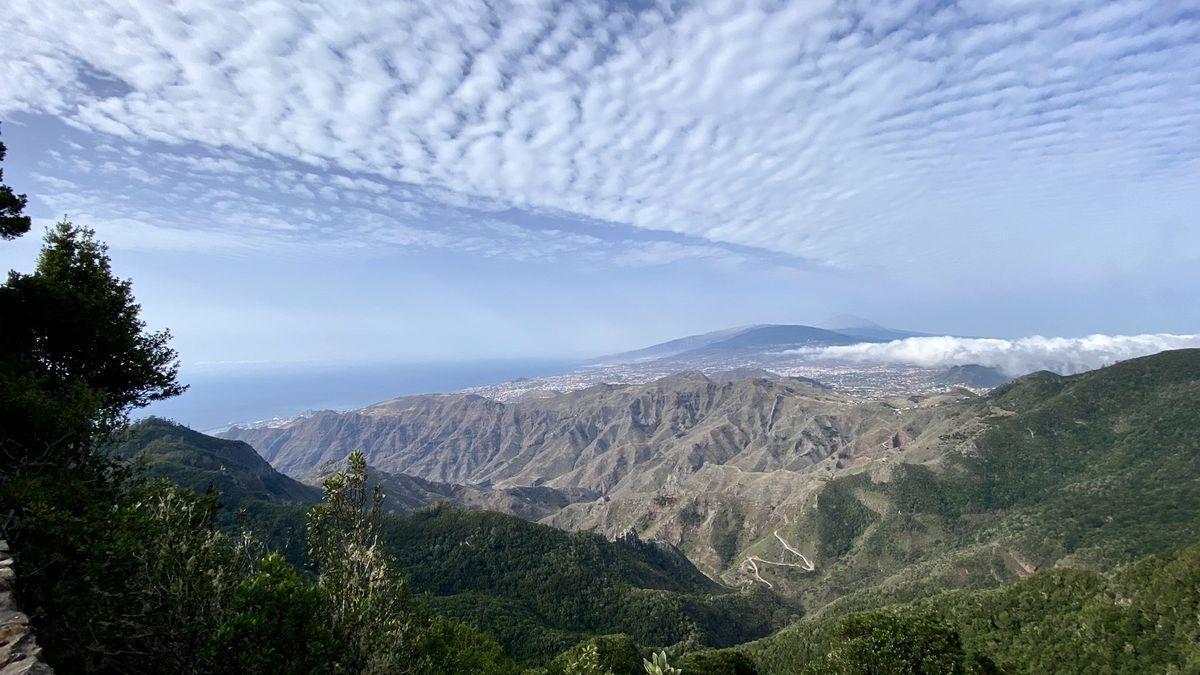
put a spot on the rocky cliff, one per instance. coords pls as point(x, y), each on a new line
point(19, 652)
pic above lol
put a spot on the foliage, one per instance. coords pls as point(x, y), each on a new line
point(717, 662)
point(884, 642)
point(507, 576)
point(120, 573)
point(13, 222)
point(726, 530)
point(75, 357)
point(1141, 618)
point(657, 665)
point(602, 655)
point(276, 622)
point(194, 460)
point(365, 601)
point(840, 518)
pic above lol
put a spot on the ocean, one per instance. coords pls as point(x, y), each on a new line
point(217, 398)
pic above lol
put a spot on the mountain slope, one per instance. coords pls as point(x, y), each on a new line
point(672, 347)
point(874, 491)
point(735, 342)
point(974, 376)
point(1139, 619)
point(865, 329)
point(198, 461)
point(609, 439)
point(540, 590)
point(1091, 471)
point(406, 494)
point(494, 570)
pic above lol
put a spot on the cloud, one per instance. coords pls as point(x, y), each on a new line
point(1013, 357)
point(231, 204)
point(849, 133)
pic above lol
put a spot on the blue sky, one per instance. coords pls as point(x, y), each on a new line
point(326, 182)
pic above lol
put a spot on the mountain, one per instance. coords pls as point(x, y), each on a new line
point(1023, 504)
point(608, 439)
point(490, 569)
point(973, 376)
point(540, 590)
point(406, 494)
point(1140, 618)
point(198, 461)
point(1088, 471)
point(735, 342)
point(865, 329)
point(706, 465)
point(731, 470)
point(672, 347)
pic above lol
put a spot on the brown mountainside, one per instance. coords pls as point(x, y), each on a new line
point(609, 439)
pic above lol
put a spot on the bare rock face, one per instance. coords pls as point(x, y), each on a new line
point(19, 652)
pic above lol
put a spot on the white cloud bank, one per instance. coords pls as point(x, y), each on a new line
point(1013, 357)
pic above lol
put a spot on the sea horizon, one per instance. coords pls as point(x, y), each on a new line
point(219, 397)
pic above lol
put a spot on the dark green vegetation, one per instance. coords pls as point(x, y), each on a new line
point(1141, 618)
point(202, 463)
point(252, 495)
point(13, 221)
point(539, 590)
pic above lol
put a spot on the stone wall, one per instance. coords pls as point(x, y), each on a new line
point(19, 652)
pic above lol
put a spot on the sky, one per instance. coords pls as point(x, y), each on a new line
point(420, 181)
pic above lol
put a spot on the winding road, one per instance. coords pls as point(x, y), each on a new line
point(805, 564)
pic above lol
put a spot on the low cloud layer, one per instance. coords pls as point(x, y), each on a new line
point(1012, 357)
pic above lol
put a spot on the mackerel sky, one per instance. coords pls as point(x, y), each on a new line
point(409, 180)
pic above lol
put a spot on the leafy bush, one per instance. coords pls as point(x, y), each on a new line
point(276, 623)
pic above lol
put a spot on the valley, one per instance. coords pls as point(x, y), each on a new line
point(773, 493)
point(726, 470)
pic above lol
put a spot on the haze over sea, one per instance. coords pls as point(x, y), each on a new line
point(231, 393)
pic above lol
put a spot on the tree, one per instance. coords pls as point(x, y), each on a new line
point(75, 355)
point(886, 642)
point(366, 601)
point(13, 222)
point(107, 560)
point(276, 624)
point(657, 665)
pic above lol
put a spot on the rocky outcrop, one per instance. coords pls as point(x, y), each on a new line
point(19, 652)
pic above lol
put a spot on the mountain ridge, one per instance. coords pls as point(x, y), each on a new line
point(735, 340)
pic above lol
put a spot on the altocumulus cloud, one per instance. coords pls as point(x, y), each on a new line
point(837, 131)
point(1013, 357)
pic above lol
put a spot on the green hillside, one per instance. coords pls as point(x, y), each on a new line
point(499, 572)
point(200, 462)
point(1088, 471)
point(540, 590)
point(1037, 491)
point(1141, 618)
